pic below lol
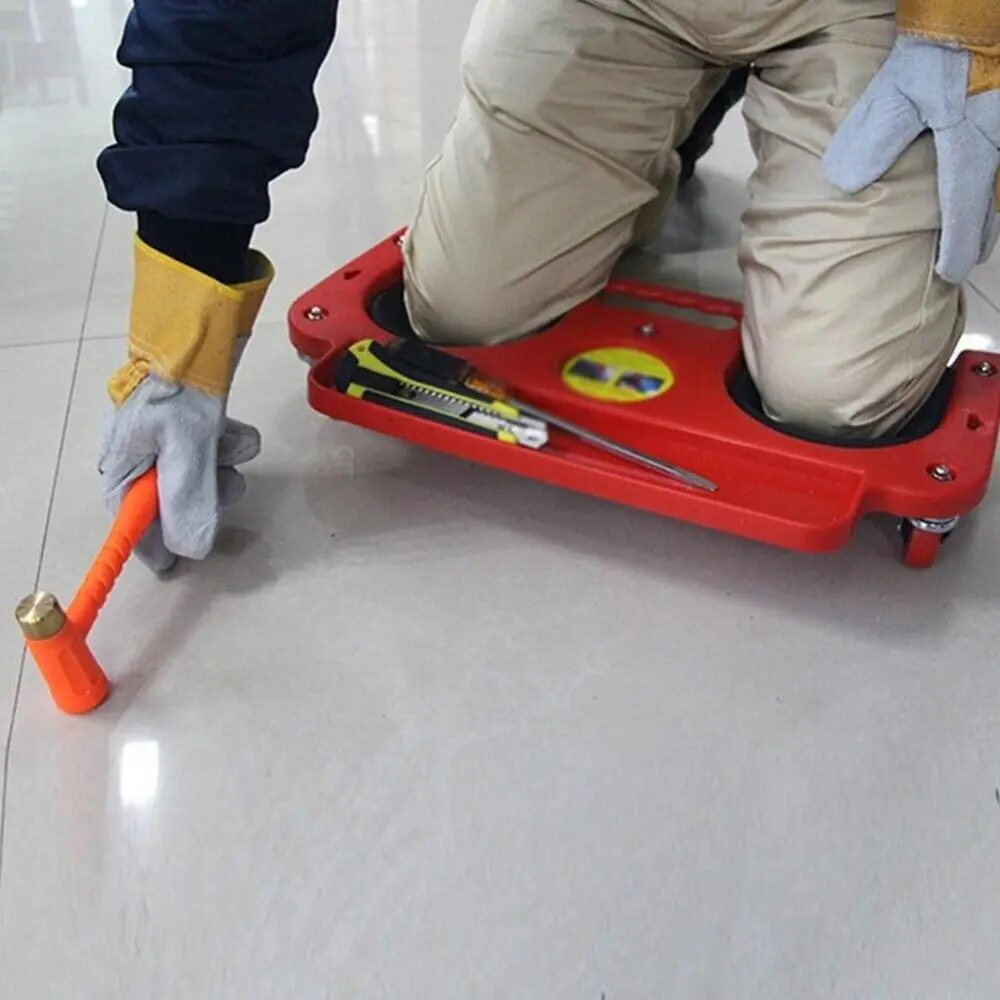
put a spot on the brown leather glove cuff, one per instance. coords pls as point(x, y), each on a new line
point(185, 325)
point(972, 24)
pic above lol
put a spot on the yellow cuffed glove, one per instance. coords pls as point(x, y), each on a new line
point(942, 76)
point(186, 336)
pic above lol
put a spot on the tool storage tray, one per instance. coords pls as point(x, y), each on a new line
point(668, 390)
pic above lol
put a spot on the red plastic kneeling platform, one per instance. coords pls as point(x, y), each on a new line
point(771, 487)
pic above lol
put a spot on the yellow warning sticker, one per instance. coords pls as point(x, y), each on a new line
point(618, 375)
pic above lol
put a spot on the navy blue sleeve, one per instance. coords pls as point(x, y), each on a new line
point(221, 103)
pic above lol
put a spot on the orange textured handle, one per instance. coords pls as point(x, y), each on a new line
point(136, 513)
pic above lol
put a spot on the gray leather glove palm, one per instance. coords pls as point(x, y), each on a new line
point(929, 86)
point(187, 336)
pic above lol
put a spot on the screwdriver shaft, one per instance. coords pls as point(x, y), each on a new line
point(685, 476)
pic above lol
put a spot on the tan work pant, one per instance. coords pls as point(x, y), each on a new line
point(564, 144)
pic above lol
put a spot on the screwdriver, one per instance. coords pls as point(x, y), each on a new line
point(685, 476)
point(420, 360)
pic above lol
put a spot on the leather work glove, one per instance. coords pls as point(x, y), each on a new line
point(187, 333)
point(942, 75)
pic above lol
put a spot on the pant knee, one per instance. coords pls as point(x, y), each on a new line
point(849, 396)
point(848, 339)
point(453, 301)
point(818, 400)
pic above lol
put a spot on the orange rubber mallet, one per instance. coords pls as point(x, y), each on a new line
point(57, 639)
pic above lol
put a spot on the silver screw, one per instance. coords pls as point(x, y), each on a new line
point(985, 369)
point(647, 330)
point(315, 313)
point(934, 525)
point(942, 473)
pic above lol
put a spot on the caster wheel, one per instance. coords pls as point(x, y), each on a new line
point(920, 548)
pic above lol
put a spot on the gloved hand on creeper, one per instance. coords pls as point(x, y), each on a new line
point(943, 75)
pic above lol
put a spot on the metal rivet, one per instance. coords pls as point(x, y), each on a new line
point(315, 313)
point(934, 525)
point(942, 473)
point(646, 330)
point(985, 369)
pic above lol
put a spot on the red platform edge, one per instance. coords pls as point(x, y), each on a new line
point(772, 488)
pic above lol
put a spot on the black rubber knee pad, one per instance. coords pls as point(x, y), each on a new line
point(388, 310)
point(925, 421)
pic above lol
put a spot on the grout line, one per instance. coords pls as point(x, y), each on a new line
point(9, 737)
point(61, 341)
point(984, 296)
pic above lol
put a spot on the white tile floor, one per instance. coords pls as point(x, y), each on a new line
point(421, 730)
